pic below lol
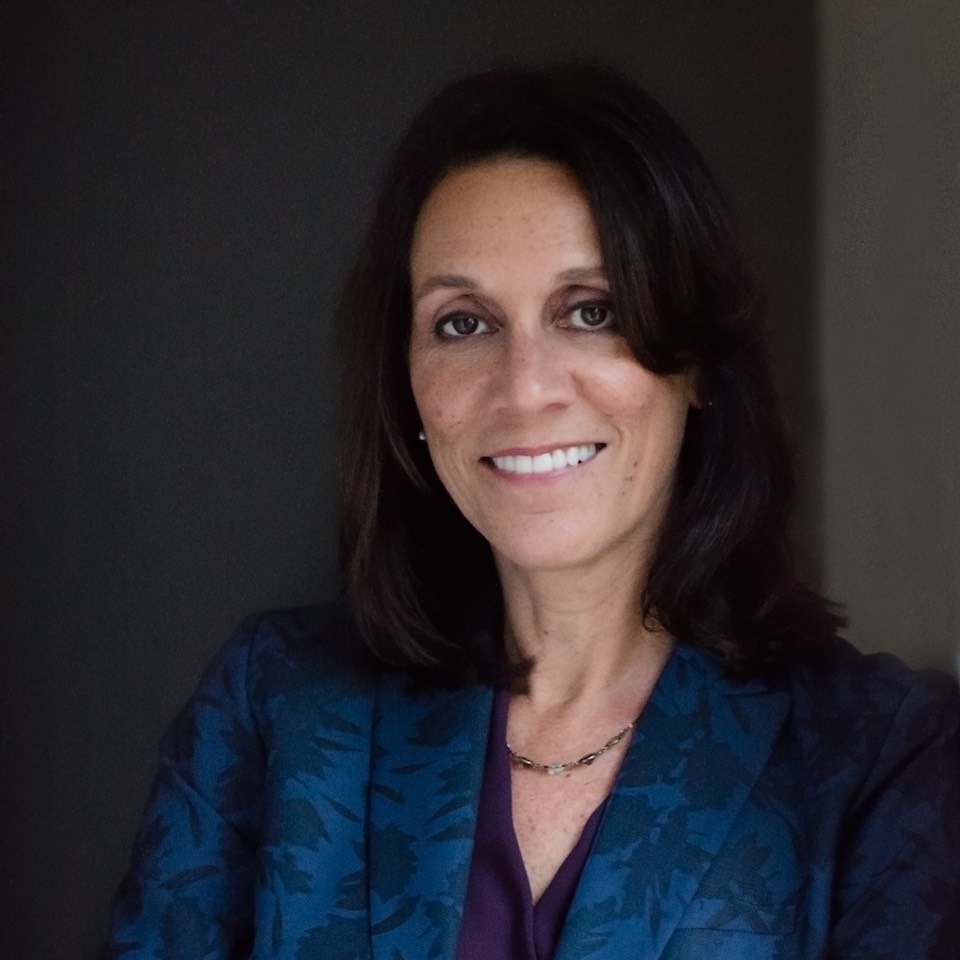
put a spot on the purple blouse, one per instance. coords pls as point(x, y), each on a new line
point(500, 918)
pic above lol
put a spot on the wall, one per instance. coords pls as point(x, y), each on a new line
point(889, 335)
point(183, 186)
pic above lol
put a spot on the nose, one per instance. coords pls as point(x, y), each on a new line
point(533, 373)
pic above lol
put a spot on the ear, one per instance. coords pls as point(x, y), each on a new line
point(697, 395)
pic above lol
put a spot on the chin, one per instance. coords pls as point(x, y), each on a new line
point(548, 554)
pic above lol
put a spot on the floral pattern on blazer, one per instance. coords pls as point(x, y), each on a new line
point(310, 806)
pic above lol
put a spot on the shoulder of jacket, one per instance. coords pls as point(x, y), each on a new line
point(315, 647)
point(842, 681)
point(853, 711)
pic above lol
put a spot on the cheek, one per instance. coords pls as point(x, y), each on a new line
point(435, 404)
point(442, 397)
point(625, 392)
point(424, 388)
point(653, 410)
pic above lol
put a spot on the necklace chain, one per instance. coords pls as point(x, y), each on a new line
point(554, 768)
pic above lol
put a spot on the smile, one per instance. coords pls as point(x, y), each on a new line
point(548, 462)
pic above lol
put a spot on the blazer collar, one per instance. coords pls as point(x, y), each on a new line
point(700, 744)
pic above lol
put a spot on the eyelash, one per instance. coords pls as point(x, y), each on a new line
point(610, 319)
point(441, 331)
point(450, 318)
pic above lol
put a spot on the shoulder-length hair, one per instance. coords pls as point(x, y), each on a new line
point(418, 576)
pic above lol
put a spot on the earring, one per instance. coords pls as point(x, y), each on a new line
point(423, 436)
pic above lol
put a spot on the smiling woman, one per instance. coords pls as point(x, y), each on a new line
point(576, 702)
point(600, 192)
point(515, 358)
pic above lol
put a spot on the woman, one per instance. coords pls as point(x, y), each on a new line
point(577, 703)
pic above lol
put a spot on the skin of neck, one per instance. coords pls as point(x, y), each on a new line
point(584, 632)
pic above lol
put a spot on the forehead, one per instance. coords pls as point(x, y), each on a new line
point(502, 207)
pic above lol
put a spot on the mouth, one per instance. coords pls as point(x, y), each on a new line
point(548, 462)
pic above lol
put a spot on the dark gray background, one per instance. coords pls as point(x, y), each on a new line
point(183, 186)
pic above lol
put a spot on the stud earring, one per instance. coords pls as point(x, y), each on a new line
point(423, 436)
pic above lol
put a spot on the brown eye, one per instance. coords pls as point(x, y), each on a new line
point(591, 316)
point(460, 325)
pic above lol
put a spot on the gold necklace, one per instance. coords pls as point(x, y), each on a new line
point(554, 768)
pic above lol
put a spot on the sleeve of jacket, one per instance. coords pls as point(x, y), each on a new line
point(897, 892)
point(188, 894)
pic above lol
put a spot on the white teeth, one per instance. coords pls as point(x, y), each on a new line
point(546, 462)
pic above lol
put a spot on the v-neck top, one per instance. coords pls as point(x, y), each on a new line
point(500, 918)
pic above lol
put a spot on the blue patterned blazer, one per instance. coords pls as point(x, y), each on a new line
point(310, 807)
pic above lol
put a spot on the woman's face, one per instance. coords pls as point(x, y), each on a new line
point(549, 436)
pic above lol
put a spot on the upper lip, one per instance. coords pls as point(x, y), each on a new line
point(542, 448)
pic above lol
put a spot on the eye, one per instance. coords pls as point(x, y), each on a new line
point(459, 325)
point(591, 316)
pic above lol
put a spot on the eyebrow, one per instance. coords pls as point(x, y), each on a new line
point(582, 274)
point(446, 281)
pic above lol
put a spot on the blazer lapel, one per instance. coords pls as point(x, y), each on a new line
point(427, 768)
point(700, 745)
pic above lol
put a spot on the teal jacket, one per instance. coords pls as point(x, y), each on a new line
point(311, 806)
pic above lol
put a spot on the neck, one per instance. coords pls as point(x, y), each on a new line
point(585, 635)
